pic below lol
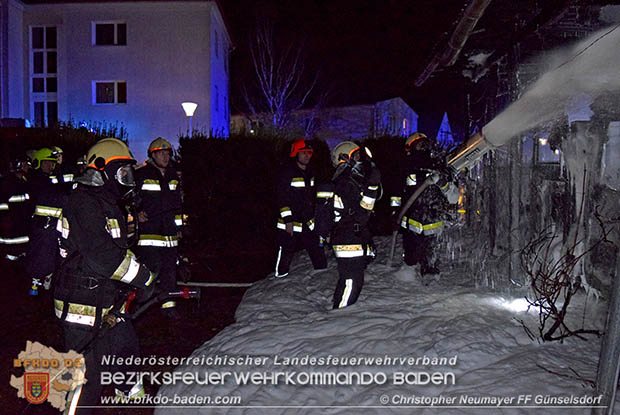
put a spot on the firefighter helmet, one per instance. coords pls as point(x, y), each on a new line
point(106, 151)
point(57, 150)
point(300, 145)
point(343, 152)
point(414, 139)
point(159, 144)
point(42, 154)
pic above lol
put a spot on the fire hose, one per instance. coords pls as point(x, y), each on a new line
point(462, 157)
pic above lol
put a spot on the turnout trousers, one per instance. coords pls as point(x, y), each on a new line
point(288, 245)
point(119, 341)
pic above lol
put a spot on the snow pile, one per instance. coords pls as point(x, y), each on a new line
point(469, 340)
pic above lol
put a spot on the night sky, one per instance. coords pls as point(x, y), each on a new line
point(366, 51)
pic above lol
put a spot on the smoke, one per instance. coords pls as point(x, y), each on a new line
point(588, 68)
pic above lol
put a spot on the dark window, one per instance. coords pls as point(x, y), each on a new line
point(122, 92)
point(39, 116)
point(38, 85)
point(37, 38)
point(37, 62)
point(52, 113)
point(52, 85)
point(105, 93)
point(50, 37)
point(104, 34)
point(51, 62)
point(121, 34)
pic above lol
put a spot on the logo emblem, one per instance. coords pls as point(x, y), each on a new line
point(36, 387)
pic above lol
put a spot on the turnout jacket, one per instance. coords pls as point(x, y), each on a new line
point(296, 197)
point(426, 213)
point(15, 210)
point(97, 267)
point(160, 196)
point(343, 210)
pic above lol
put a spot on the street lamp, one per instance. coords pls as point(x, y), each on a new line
point(189, 108)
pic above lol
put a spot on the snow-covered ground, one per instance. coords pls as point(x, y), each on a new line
point(485, 355)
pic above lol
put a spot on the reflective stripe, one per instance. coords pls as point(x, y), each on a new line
point(128, 268)
point(67, 177)
point(324, 195)
point(348, 287)
point(169, 304)
point(78, 313)
point(40, 210)
point(395, 201)
point(151, 185)
point(113, 228)
point(162, 241)
point(338, 202)
point(312, 181)
point(310, 224)
point(412, 180)
point(172, 184)
point(417, 227)
point(62, 226)
point(4, 206)
point(14, 241)
point(19, 198)
point(285, 211)
point(373, 188)
point(297, 226)
point(178, 220)
point(54, 179)
point(348, 251)
point(298, 182)
point(367, 202)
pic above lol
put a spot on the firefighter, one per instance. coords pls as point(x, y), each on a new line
point(159, 217)
point(98, 271)
point(343, 217)
point(296, 198)
point(48, 200)
point(15, 210)
point(423, 221)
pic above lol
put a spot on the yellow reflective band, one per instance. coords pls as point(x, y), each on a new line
point(395, 201)
point(285, 211)
point(79, 313)
point(128, 268)
point(348, 251)
point(373, 188)
point(151, 185)
point(367, 202)
point(172, 184)
point(169, 304)
point(461, 211)
point(19, 198)
point(54, 179)
point(4, 206)
point(161, 241)
point(178, 220)
point(298, 182)
point(67, 177)
point(113, 228)
point(338, 202)
point(40, 210)
point(412, 180)
point(324, 195)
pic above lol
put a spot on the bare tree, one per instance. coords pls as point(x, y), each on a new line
point(283, 81)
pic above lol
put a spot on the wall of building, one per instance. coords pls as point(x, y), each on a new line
point(165, 62)
point(220, 85)
point(12, 56)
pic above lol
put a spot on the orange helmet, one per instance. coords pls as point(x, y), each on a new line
point(300, 145)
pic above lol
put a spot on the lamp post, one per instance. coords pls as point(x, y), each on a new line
point(189, 108)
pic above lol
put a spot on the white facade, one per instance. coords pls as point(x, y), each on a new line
point(126, 63)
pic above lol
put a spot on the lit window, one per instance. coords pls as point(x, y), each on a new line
point(109, 33)
point(43, 75)
point(109, 92)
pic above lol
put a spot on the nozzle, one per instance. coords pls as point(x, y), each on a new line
point(186, 293)
point(467, 154)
